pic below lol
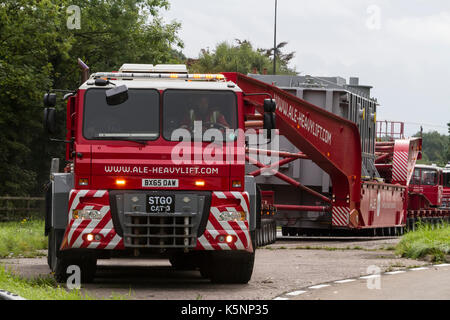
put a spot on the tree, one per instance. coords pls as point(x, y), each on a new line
point(434, 145)
point(241, 57)
point(284, 58)
point(38, 52)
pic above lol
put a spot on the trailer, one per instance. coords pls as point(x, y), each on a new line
point(425, 183)
point(163, 163)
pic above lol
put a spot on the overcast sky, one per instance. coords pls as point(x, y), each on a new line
point(401, 48)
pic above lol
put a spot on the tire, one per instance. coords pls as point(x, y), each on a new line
point(232, 267)
point(59, 262)
point(184, 262)
point(284, 231)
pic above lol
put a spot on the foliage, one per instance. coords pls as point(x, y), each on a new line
point(38, 52)
point(426, 240)
point(434, 146)
point(45, 288)
point(241, 57)
point(22, 239)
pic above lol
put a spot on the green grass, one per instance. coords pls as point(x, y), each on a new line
point(22, 239)
point(426, 242)
point(42, 288)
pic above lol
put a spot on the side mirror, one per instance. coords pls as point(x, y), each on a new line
point(269, 123)
point(117, 95)
point(50, 120)
point(50, 99)
point(270, 105)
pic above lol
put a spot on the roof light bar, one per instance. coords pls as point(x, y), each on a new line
point(195, 76)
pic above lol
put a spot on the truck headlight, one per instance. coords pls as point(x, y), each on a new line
point(232, 216)
point(86, 214)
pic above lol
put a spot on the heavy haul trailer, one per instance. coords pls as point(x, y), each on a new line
point(425, 184)
point(302, 189)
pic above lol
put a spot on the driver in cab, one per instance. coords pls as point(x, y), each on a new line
point(209, 116)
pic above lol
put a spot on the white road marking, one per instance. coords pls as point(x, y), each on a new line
point(280, 298)
point(320, 286)
point(370, 277)
point(419, 268)
point(394, 272)
point(345, 281)
point(295, 293)
point(442, 265)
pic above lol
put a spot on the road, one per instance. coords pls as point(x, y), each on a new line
point(279, 269)
point(430, 283)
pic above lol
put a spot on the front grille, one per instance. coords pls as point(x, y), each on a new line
point(143, 230)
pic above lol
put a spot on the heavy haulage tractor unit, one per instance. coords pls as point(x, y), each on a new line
point(162, 163)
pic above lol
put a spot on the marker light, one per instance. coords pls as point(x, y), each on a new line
point(90, 237)
point(226, 238)
point(236, 184)
point(120, 182)
point(200, 183)
point(83, 182)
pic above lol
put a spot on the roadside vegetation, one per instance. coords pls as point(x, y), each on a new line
point(426, 242)
point(43, 288)
point(22, 239)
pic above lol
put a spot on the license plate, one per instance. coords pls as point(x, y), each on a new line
point(160, 204)
point(161, 183)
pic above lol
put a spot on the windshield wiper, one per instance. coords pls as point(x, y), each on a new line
point(143, 142)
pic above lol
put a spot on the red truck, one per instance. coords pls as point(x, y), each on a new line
point(156, 167)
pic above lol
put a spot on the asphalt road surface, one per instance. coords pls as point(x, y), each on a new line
point(430, 283)
point(284, 267)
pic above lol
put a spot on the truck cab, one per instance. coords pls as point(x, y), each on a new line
point(155, 167)
point(426, 187)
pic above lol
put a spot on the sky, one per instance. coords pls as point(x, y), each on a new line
point(400, 47)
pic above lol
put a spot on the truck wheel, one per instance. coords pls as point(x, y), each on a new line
point(232, 266)
point(59, 263)
point(184, 262)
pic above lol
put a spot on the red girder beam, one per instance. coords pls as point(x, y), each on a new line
point(254, 117)
point(253, 124)
point(275, 165)
point(330, 141)
point(289, 180)
point(299, 155)
point(383, 157)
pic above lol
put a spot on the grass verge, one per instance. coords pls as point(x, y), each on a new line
point(42, 288)
point(22, 239)
point(426, 243)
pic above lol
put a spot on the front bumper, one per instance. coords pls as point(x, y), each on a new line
point(123, 224)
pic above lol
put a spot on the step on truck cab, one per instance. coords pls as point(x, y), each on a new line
point(155, 167)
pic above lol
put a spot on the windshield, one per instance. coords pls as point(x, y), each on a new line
point(447, 179)
point(135, 119)
point(199, 115)
point(429, 177)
